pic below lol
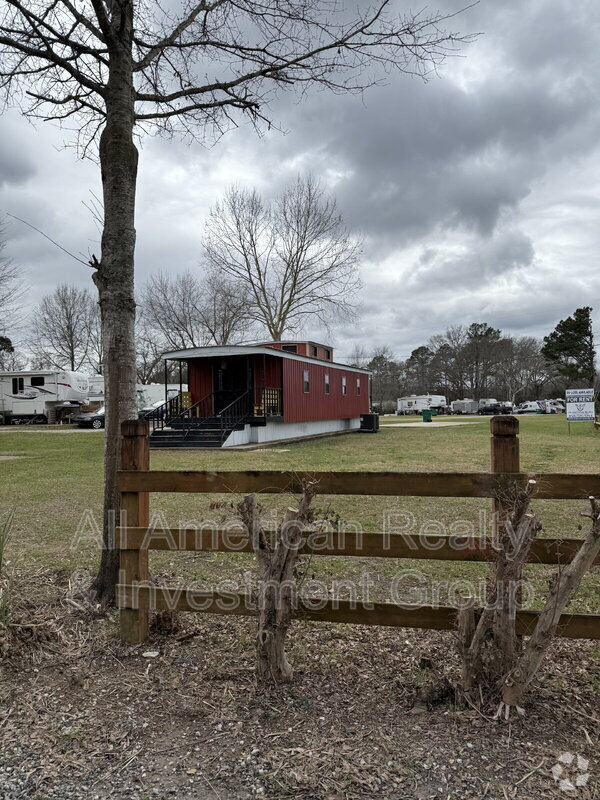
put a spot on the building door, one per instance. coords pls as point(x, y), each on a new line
point(232, 377)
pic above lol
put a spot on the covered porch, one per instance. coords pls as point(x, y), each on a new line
point(248, 386)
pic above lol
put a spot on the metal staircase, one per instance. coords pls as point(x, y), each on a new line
point(172, 425)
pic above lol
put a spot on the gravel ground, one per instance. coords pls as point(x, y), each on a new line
point(84, 716)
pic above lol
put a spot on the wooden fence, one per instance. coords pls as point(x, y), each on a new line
point(137, 595)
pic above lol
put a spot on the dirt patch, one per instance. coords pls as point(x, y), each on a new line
point(84, 716)
point(11, 458)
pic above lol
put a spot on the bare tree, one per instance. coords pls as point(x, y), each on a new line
point(186, 311)
point(148, 352)
point(225, 309)
point(170, 307)
point(118, 65)
point(295, 258)
point(359, 357)
point(63, 324)
point(11, 287)
point(94, 334)
point(10, 359)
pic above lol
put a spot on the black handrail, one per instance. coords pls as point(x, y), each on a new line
point(200, 410)
point(233, 414)
point(163, 414)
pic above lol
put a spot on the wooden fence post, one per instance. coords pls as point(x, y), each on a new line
point(135, 511)
point(505, 457)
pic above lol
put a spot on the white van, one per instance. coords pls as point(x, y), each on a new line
point(530, 407)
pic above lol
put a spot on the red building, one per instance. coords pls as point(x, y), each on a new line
point(242, 394)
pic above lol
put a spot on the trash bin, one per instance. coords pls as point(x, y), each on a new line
point(426, 415)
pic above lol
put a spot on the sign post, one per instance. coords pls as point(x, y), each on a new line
point(580, 406)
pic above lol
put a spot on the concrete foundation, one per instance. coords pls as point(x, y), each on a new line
point(280, 431)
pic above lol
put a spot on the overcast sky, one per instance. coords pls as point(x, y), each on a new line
point(477, 193)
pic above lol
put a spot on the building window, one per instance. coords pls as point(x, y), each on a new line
point(306, 381)
point(344, 385)
point(328, 354)
point(313, 351)
point(18, 385)
point(290, 348)
point(358, 387)
point(37, 380)
point(327, 385)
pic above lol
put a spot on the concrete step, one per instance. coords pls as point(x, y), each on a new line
point(164, 443)
point(194, 438)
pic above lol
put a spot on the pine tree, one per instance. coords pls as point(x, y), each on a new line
point(570, 347)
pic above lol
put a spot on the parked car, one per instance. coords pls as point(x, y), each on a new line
point(530, 407)
point(90, 419)
point(491, 408)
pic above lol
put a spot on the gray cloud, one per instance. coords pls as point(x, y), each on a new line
point(476, 193)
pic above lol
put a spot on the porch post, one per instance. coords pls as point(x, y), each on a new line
point(166, 381)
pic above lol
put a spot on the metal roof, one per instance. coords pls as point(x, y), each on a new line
point(222, 351)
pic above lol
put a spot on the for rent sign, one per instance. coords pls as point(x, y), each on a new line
point(580, 405)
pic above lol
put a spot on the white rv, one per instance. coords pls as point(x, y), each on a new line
point(41, 396)
point(147, 394)
point(415, 403)
point(151, 393)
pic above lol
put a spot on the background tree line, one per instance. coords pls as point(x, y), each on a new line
point(479, 361)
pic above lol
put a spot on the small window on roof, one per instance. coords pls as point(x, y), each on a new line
point(290, 348)
point(313, 351)
point(306, 381)
point(37, 380)
point(328, 354)
point(344, 385)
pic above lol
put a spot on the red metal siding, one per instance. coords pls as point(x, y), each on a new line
point(267, 374)
point(200, 378)
point(304, 349)
point(299, 406)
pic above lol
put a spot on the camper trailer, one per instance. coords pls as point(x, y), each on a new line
point(147, 394)
point(465, 406)
point(416, 403)
point(40, 397)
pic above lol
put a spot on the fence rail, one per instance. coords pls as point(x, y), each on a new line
point(136, 595)
point(441, 618)
point(344, 543)
point(551, 486)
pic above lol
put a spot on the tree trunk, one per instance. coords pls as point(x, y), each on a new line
point(276, 584)
point(114, 277)
point(489, 648)
point(275, 604)
point(562, 588)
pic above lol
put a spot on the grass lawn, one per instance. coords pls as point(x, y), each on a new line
point(55, 487)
